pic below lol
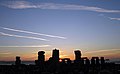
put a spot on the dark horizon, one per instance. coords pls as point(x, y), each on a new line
point(56, 65)
point(27, 27)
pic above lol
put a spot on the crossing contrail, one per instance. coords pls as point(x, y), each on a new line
point(19, 36)
point(41, 34)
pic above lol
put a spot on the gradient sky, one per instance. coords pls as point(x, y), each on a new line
point(28, 26)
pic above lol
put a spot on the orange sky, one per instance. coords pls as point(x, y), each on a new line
point(110, 54)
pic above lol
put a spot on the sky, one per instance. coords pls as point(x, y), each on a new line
point(29, 26)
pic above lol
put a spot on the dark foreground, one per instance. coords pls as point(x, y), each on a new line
point(61, 68)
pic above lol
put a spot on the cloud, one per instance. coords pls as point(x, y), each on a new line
point(19, 36)
point(100, 51)
point(63, 56)
point(33, 46)
point(101, 15)
point(23, 31)
point(114, 18)
point(4, 53)
point(26, 5)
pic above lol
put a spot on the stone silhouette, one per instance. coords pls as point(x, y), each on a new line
point(56, 65)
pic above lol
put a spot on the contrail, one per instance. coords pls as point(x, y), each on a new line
point(23, 31)
point(31, 46)
point(19, 36)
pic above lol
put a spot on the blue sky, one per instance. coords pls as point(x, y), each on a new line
point(27, 26)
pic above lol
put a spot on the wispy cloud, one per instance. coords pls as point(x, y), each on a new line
point(23, 31)
point(63, 56)
point(31, 46)
point(100, 51)
point(5, 53)
point(19, 36)
point(114, 18)
point(26, 4)
point(111, 18)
